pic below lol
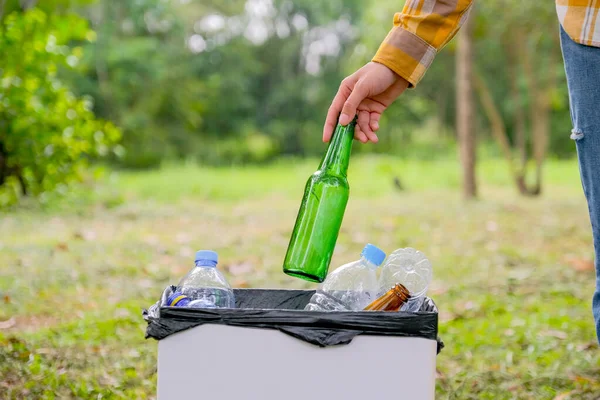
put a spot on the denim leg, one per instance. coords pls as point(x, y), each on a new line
point(582, 65)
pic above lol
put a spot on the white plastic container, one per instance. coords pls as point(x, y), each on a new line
point(265, 364)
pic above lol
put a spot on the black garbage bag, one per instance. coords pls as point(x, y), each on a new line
point(284, 310)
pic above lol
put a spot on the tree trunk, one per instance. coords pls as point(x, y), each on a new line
point(465, 109)
point(511, 45)
point(499, 133)
point(514, 49)
point(22, 183)
point(2, 5)
point(540, 87)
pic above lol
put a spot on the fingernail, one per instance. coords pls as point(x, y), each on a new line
point(344, 119)
point(375, 125)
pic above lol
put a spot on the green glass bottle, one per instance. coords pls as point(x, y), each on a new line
point(321, 211)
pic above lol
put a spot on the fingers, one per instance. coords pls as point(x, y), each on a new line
point(358, 94)
point(336, 107)
point(352, 94)
point(364, 118)
point(330, 123)
point(360, 135)
point(374, 124)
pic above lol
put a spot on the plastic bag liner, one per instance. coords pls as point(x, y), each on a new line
point(284, 310)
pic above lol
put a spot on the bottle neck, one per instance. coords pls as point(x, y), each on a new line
point(337, 158)
point(206, 264)
point(368, 263)
point(392, 300)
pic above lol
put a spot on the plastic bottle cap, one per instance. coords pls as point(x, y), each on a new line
point(207, 255)
point(175, 298)
point(373, 254)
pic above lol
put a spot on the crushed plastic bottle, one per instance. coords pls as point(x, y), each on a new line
point(410, 268)
point(204, 286)
point(352, 286)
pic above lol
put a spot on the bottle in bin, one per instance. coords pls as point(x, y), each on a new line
point(204, 286)
point(392, 300)
point(352, 286)
point(411, 269)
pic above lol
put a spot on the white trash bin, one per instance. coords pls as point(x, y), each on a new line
point(226, 358)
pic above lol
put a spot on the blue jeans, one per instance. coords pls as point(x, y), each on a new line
point(582, 65)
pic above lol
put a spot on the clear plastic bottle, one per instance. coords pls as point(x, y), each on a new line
point(352, 286)
point(412, 269)
point(204, 286)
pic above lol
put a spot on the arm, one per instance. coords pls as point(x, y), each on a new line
point(422, 29)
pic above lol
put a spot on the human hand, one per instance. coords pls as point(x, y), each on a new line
point(366, 93)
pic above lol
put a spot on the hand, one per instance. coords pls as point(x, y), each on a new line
point(367, 92)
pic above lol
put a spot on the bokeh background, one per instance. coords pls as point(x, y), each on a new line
point(134, 132)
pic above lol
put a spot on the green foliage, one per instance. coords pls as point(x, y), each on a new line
point(197, 80)
point(179, 89)
point(138, 73)
point(47, 6)
point(251, 147)
point(47, 135)
point(248, 81)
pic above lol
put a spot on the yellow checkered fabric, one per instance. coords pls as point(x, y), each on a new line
point(579, 19)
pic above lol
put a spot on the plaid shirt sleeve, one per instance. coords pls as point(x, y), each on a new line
point(579, 18)
point(420, 31)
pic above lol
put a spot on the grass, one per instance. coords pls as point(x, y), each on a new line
point(513, 276)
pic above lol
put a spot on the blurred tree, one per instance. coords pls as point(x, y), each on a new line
point(466, 108)
point(46, 133)
point(138, 72)
point(248, 80)
point(222, 82)
point(527, 78)
point(272, 69)
point(518, 66)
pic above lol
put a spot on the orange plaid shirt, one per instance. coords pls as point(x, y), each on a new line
point(424, 27)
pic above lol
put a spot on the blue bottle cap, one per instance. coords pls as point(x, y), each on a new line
point(207, 257)
point(373, 254)
point(177, 299)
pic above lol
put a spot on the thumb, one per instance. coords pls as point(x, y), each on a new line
point(359, 93)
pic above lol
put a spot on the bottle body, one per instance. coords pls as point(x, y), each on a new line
point(412, 269)
point(317, 227)
point(321, 211)
point(352, 286)
point(203, 287)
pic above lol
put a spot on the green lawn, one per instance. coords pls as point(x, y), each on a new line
point(513, 276)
